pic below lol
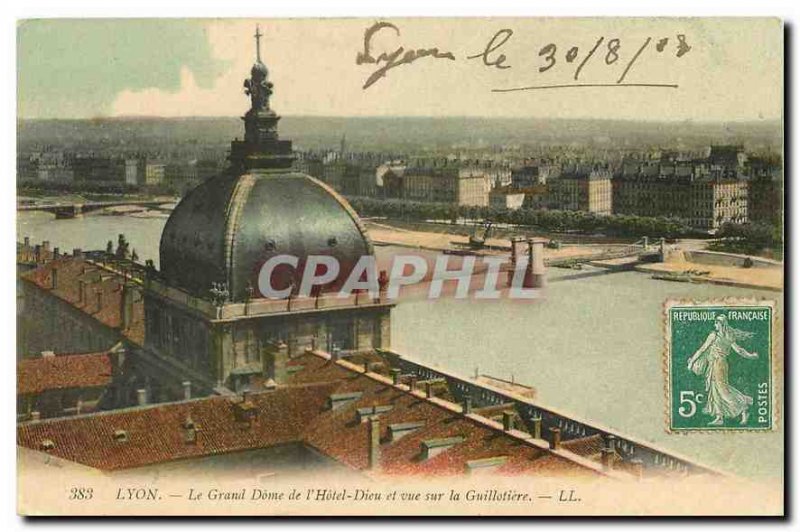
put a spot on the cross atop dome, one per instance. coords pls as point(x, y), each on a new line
point(258, 36)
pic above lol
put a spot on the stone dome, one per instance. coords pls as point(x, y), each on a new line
point(225, 229)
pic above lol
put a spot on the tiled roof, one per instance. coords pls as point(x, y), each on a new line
point(105, 307)
point(299, 412)
point(89, 370)
point(338, 434)
point(156, 434)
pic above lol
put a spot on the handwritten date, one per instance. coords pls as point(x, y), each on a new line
point(550, 56)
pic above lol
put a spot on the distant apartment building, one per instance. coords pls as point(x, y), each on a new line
point(351, 174)
point(525, 176)
point(529, 175)
point(388, 179)
point(716, 201)
point(94, 169)
point(47, 166)
point(506, 198)
point(446, 184)
point(154, 173)
point(53, 173)
point(580, 189)
point(765, 191)
point(654, 189)
point(728, 160)
point(535, 197)
point(132, 174)
point(706, 192)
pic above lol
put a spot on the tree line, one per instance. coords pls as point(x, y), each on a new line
point(623, 225)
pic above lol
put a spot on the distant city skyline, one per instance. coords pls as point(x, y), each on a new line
point(191, 67)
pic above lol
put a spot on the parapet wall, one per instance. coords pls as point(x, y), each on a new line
point(571, 428)
point(716, 258)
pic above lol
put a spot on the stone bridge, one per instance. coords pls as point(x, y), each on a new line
point(73, 209)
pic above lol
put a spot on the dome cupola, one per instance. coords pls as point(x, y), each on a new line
point(224, 230)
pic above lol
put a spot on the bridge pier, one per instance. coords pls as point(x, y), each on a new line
point(68, 211)
point(535, 272)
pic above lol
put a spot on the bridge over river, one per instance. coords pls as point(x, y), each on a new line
point(72, 209)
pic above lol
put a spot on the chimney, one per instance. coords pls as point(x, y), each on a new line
point(126, 306)
point(537, 427)
point(366, 366)
point(46, 245)
point(374, 443)
point(245, 395)
point(274, 362)
point(335, 352)
point(141, 396)
point(190, 430)
point(412, 383)
point(428, 389)
point(77, 253)
point(395, 372)
point(508, 420)
point(187, 390)
point(56, 252)
point(117, 357)
point(27, 241)
point(555, 438)
point(467, 404)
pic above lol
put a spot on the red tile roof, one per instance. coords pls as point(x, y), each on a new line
point(298, 412)
point(89, 370)
point(335, 432)
point(156, 434)
point(70, 272)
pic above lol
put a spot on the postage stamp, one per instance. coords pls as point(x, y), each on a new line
point(719, 364)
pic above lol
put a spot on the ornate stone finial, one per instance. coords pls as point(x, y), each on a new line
point(257, 86)
point(219, 294)
point(261, 147)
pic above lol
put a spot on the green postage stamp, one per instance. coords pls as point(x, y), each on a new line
point(719, 364)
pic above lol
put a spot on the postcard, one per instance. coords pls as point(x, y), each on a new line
point(400, 266)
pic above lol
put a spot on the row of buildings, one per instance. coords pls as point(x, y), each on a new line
point(59, 167)
point(724, 186)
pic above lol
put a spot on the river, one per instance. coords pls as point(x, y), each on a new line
point(592, 346)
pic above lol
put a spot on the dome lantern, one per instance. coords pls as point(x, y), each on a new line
point(222, 231)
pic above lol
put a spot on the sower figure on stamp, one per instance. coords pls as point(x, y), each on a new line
point(723, 400)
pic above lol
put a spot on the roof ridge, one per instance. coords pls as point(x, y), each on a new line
point(485, 422)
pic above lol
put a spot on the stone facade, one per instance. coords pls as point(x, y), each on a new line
point(447, 184)
point(246, 343)
point(590, 192)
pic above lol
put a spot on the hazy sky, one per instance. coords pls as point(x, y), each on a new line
point(174, 67)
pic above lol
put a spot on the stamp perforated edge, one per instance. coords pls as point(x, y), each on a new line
point(776, 358)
